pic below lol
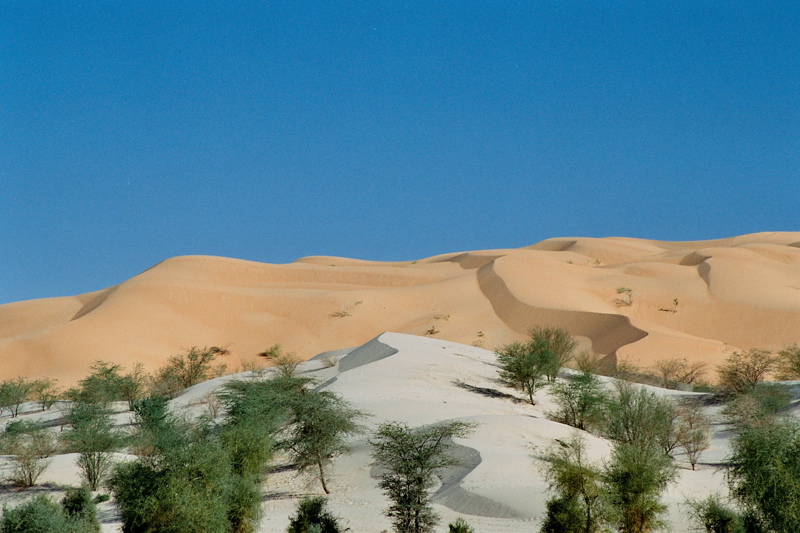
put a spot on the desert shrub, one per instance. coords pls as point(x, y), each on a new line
point(312, 516)
point(102, 386)
point(742, 371)
point(581, 400)
point(523, 366)
point(678, 371)
point(79, 506)
point(693, 431)
point(635, 478)
point(93, 437)
point(30, 445)
point(187, 369)
point(46, 392)
point(714, 516)
point(591, 363)
point(764, 475)
point(640, 418)
point(758, 406)
point(558, 341)
point(410, 458)
point(43, 515)
point(789, 362)
point(459, 525)
point(578, 485)
point(13, 393)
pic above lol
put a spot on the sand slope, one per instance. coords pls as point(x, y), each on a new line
point(697, 300)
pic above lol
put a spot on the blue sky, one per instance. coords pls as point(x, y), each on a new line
point(131, 132)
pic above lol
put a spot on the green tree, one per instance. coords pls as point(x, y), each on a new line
point(693, 431)
point(581, 401)
point(789, 362)
point(742, 371)
point(46, 392)
point(764, 475)
point(459, 525)
point(410, 458)
point(187, 369)
point(558, 341)
point(524, 366)
point(313, 517)
point(640, 418)
point(80, 507)
point(102, 386)
point(635, 478)
point(43, 515)
point(715, 517)
point(578, 504)
point(758, 406)
point(13, 393)
point(319, 430)
point(93, 437)
point(30, 444)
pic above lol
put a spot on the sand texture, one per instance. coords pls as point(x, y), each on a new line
point(499, 487)
point(698, 300)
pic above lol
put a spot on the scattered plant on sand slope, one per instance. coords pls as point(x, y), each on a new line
point(410, 458)
point(557, 340)
point(523, 366)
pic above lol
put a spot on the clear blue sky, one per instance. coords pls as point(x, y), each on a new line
point(131, 132)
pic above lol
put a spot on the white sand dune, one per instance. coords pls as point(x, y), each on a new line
point(698, 300)
point(500, 487)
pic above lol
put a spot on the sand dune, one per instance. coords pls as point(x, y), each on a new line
point(698, 300)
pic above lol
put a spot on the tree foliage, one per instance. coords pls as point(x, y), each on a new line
point(640, 418)
point(187, 369)
point(43, 515)
point(523, 366)
point(558, 341)
point(13, 393)
point(635, 477)
point(30, 445)
point(578, 505)
point(93, 437)
point(742, 371)
point(581, 401)
point(764, 475)
point(312, 516)
point(410, 458)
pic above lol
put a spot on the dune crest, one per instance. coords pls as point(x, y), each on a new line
point(634, 299)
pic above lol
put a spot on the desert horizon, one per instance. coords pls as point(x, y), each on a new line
point(626, 299)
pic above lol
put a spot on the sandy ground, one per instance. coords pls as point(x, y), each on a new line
point(418, 380)
point(697, 300)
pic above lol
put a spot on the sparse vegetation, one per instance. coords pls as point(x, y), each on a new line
point(678, 371)
point(187, 369)
point(94, 438)
point(693, 430)
point(742, 371)
point(581, 400)
point(313, 517)
point(524, 366)
point(557, 340)
point(410, 458)
point(788, 364)
point(624, 297)
point(13, 393)
point(30, 445)
point(459, 525)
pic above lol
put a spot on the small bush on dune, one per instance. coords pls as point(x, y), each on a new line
point(742, 371)
point(313, 517)
point(30, 445)
point(460, 526)
point(524, 366)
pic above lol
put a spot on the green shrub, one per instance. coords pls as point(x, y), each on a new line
point(43, 515)
point(524, 366)
point(313, 517)
point(79, 505)
point(581, 400)
point(460, 526)
point(715, 517)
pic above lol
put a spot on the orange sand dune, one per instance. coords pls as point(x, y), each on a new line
point(698, 300)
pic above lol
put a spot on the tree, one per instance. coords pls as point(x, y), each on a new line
point(93, 437)
point(764, 475)
point(13, 393)
point(410, 458)
point(459, 526)
point(742, 371)
point(675, 371)
point(30, 445)
point(715, 517)
point(102, 386)
point(693, 431)
point(46, 392)
point(184, 370)
point(523, 366)
point(640, 418)
point(789, 362)
point(313, 517)
point(581, 401)
point(558, 341)
point(320, 427)
point(635, 478)
point(578, 504)
point(759, 406)
point(43, 515)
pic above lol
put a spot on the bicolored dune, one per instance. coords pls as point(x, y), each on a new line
point(697, 300)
